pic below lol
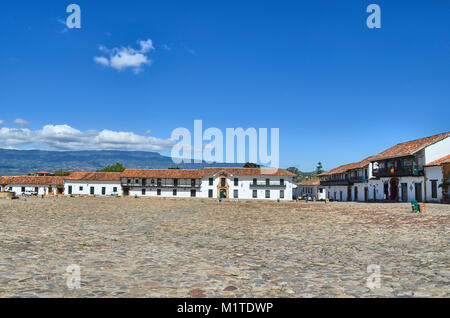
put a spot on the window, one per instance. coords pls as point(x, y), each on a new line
point(211, 181)
point(114, 189)
point(193, 193)
point(255, 194)
point(92, 191)
point(174, 192)
point(236, 194)
point(267, 194)
point(158, 182)
point(144, 181)
point(175, 183)
point(193, 182)
point(143, 191)
point(210, 193)
point(81, 188)
point(23, 189)
point(255, 181)
point(158, 192)
point(222, 182)
point(267, 181)
point(103, 190)
point(129, 181)
point(236, 182)
point(137, 181)
point(281, 194)
point(434, 189)
point(282, 182)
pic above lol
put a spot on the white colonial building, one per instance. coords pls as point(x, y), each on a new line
point(83, 183)
point(311, 188)
point(233, 183)
point(41, 185)
point(402, 173)
point(437, 175)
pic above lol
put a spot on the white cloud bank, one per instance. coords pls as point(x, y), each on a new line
point(126, 57)
point(64, 137)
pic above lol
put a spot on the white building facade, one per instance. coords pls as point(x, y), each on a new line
point(33, 184)
point(400, 174)
point(82, 183)
point(225, 183)
point(312, 189)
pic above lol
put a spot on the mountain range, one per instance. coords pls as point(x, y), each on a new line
point(22, 162)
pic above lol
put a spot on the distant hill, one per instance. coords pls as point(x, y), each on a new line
point(21, 162)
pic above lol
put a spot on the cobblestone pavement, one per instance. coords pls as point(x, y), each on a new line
point(129, 247)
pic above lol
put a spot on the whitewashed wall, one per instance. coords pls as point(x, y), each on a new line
point(86, 187)
point(333, 193)
point(437, 150)
point(243, 187)
point(434, 173)
point(42, 189)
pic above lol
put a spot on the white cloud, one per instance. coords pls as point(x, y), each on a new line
point(2, 122)
point(21, 122)
point(101, 60)
point(126, 57)
point(64, 137)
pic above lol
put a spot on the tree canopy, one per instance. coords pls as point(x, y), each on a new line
point(118, 167)
point(251, 165)
point(319, 168)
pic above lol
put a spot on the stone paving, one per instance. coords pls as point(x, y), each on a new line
point(128, 247)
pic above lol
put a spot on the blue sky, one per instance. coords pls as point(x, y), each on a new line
point(337, 90)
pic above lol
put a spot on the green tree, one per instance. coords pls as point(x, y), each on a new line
point(319, 168)
point(251, 165)
point(293, 170)
point(118, 167)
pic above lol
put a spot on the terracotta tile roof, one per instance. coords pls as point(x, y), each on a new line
point(349, 166)
point(439, 162)
point(248, 172)
point(410, 147)
point(32, 180)
point(340, 169)
point(162, 173)
point(310, 182)
point(93, 176)
point(199, 173)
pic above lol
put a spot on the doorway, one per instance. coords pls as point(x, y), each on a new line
point(418, 191)
point(394, 189)
point(366, 194)
point(404, 187)
point(223, 193)
point(349, 193)
point(356, 194)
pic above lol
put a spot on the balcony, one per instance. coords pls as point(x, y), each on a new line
point(398, 172)
point(358, 179)
point(337, 182)
point(165, 186)
point(262, 185)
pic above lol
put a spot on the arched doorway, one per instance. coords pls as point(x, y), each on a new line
point(222, 187)
point(393, 185)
